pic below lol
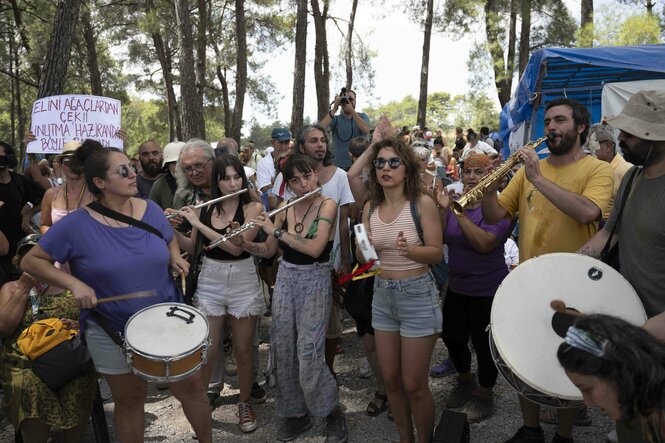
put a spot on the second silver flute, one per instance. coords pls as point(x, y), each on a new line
point(212, 202)
point(249, 225)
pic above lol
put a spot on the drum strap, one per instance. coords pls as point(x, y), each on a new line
point(110, 213)
point(101, 321)
point(609, 252)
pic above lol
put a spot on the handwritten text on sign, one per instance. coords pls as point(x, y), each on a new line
point(62, 118)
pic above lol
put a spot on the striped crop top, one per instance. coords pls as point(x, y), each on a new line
point(384, 239)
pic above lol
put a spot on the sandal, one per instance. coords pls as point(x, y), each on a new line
point(373, 409)
point(550, 416)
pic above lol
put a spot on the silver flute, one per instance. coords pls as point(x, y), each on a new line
point(211, 202)
point(249, 225)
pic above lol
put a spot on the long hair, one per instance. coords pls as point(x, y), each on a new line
point(412, 183)
point(302, 136)
point(632, 361)
point(219, 172)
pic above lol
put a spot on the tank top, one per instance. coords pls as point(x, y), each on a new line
point(384, 238)
point(298, 258)
point(219, 253)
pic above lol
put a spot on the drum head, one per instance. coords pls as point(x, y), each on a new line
point(153, 332)
point(522, 320)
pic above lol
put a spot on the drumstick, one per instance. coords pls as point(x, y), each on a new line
point(560, 306)
point(184, 282)
point(131, 295)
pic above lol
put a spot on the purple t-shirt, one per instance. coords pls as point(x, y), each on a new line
point(471, 272)
point(115, 261)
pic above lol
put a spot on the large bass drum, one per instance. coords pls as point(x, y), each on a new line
point(525, 332)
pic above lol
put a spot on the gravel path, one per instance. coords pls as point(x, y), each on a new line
point(166, 423)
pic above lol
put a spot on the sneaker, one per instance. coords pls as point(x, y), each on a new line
point(612, 437)
point(462, 393)
point(365, 370)
point(246, 417)
point(336, 427)
point(258, 394)
point(528, 435)
point(443, 369)
point(293, 427)
point(478, 408)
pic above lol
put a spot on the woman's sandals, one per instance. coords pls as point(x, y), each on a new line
point(373, 409)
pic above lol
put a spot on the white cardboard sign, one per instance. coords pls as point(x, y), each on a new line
point(62, 118)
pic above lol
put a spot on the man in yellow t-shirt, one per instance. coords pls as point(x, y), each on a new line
point(560, 200)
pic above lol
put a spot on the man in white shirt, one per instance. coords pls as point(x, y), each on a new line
point(265, 168)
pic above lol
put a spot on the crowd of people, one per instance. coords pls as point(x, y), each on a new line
point(278, 237)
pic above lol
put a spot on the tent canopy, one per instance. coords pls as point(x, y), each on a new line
point(578, 73)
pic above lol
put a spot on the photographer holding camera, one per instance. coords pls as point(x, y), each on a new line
point(345, 126)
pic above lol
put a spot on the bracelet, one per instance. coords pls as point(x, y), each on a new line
point(331, 114)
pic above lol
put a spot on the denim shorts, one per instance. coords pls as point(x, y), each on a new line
point(410, 306)
point(108, 357)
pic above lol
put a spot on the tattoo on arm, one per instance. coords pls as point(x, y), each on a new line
point(254, 248)
point(591, 252)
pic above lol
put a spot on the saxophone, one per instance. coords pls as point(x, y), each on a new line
point(476, 194)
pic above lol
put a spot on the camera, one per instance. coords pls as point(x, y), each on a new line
point(343, 98)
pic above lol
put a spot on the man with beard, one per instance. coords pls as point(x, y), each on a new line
point(560, 199)
point(639, 232)
point(165, 186)
point(150, 156)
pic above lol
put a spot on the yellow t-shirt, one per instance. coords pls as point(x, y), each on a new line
point(544, 228)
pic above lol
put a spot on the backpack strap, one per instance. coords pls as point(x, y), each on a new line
point(416, 219)
point(626, 193)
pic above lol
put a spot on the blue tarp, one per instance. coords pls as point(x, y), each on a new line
point(578, 73)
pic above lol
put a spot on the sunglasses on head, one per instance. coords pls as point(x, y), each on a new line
point(124, 171)
point(393, 162)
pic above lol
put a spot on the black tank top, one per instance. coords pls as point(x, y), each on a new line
point(219, 253)
point(298, 258)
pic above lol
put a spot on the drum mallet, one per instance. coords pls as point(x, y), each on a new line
point(560, 307)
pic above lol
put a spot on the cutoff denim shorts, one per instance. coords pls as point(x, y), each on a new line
point(410, 306)
point(108, 357)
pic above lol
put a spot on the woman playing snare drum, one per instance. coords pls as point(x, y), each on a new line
point(108, 257)
point(476, 268)
point(228, 285)
point(406, 313)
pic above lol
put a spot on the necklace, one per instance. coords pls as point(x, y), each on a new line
point(117, 223)
point(78, 205)
point(299, 226)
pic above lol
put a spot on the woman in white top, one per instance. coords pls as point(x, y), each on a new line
point(406, 313)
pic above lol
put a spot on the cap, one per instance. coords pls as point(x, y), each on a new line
point(281, 134)
point(643, 116)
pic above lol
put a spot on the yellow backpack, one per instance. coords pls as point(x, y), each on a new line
point(42, 336)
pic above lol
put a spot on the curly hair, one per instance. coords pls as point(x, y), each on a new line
point(632, 361)
point(413, 187)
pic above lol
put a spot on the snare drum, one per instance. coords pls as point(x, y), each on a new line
point(166, 342)
point(525, 332)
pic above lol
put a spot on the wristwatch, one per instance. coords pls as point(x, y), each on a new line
point(277, 233)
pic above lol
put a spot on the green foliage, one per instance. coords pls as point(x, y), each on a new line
point(613, 28)
point(144, 120)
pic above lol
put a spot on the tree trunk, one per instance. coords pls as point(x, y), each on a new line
point(300, 64)
point(165, 61)
point(91, 51)
point(201, 46)
point(424, 68)
point(587, 12)
point(525, 34)
point(493, 31)
point(241, 71)
point(13, 84)
point(192, 114)
point(349, 46)
point(321, 58)
point(18, 19)
point(59, 51)
point(226, 103)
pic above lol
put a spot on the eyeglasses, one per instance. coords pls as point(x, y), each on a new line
point(124, 171)
point(394, 162)
point(195, 168)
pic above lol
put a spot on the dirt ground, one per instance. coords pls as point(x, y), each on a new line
point(165, 421)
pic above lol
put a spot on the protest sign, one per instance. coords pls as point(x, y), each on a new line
point(62, 118)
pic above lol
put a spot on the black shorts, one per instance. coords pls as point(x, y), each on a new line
point(358, 303)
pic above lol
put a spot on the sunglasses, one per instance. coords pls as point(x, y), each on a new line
point(124, 171)
point(394, 162)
